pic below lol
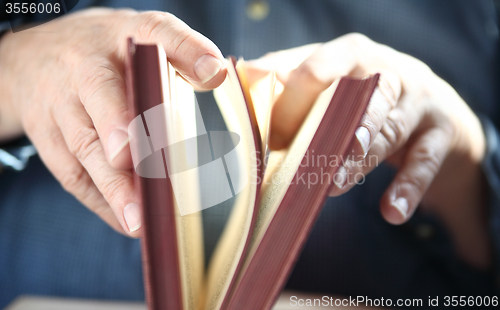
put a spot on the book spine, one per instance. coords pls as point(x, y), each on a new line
point(160, 258)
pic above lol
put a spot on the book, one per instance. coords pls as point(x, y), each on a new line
point(279, 194)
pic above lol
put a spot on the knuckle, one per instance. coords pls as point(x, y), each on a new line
point(70, 56)
point(97, 75)
point(73, 179)
point(416, 66)
point(447, 127)
point(307, 77)
point(374, 118)
point(427, 165)
point(83, 143)
point(180, 40)
point(415, 183)
point(423, 67)
point(151, 23)
point(112, 187)
point(357, 39)
point(428, 158)
point(359, 47)
point(395, 131)
point(389, 88)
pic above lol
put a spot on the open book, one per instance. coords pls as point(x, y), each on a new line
point(279, 195)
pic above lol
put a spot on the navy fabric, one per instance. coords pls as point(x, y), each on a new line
point(50, 244)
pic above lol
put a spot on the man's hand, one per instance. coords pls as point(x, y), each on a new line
point(62, 84)
point(415, 121)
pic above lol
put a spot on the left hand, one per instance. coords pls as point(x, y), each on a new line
point(415, 120)
point(62, 84)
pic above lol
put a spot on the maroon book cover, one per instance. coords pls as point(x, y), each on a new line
point(160, 258)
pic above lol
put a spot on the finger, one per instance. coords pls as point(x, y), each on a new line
point(102, 92)
point(400, 123)
point(195, 57)
point(383, 100)
point(254, 74)
point(421, 165)
point(53, 151)
point(116, 186)
point(329, 62)
point(281, 61)
point(353, 172)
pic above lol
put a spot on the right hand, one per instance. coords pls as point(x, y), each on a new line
point(62, 85)
point(415, 121)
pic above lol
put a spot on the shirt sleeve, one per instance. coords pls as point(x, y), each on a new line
point(4, 22)
point(16, 154)
point(4, 26)
point(491, 168)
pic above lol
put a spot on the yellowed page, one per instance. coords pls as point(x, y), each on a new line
point(282, 167)
point(262, 93)
point(178, 99)
point(230, 247)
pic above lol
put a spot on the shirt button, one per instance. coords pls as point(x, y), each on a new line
point(424, 231)
point(257, 10)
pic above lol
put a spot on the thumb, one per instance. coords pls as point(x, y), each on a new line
point(303, 85)
point(193, 55)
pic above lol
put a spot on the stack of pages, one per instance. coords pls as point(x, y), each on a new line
point(276, 202)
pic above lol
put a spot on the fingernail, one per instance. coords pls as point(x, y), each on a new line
point(117, 141)
point(132, 215)
point(363, 136)
point(401, 204)
point(206, 67)
point(340, 177)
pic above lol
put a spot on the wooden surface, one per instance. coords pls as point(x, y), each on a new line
point(52, 303)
